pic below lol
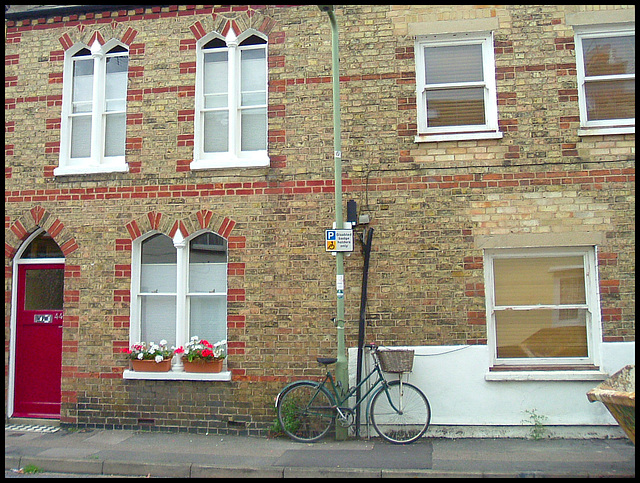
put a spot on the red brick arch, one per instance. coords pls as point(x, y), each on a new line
point(37, 217)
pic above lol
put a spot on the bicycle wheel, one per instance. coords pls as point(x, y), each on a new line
point(404, 425)
point(306, 411)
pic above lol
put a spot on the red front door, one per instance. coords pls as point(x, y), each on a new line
point(38, 361)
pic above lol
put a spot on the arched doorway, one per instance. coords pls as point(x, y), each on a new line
point(38, 314)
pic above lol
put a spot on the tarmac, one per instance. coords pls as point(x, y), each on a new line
point(106, 452)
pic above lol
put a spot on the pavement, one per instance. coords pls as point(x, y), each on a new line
point(105, 452)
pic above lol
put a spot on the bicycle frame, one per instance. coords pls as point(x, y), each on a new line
point(334, 391)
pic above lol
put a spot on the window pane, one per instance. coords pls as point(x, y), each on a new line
point(43, 289)
point(158, 270)
point(158, 319)
point(541, 333)
point(448, 64)
point(115, 133)
point(208, 264)
point(208, 318)
point(254, 129)
point(611, 100)
point(82, 85)
point(455, 107)
point(81, 137)
point(541, 280)
point(116, 83)
point(216, 132)
point(609, 56)
point(43, 246)
point(253, 78)
point(216, 80)
point(208, 248)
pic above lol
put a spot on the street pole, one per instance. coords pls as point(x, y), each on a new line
point(342, 376)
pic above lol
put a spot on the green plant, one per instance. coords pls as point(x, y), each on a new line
point(290, 416)
point(29, 469)
point(538, 429)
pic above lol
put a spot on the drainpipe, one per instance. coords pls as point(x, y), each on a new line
point(342, 375)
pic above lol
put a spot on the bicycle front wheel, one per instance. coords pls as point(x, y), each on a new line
point(400, 415)
point(306, 411)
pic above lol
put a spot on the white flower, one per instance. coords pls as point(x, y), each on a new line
point(163, 342)
point(159, 358)
point(140, 356)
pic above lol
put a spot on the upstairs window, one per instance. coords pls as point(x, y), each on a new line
point(456, 89)
point(93, 127)
point(606, 66)
point(231, 102)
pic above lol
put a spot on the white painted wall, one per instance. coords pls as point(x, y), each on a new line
point(453, 378)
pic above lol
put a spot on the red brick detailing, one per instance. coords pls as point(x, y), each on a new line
point(609, 286)
point(607, 259)
point(133, 229)
point(129, 35)
point(36, 213)
point(66, 41)
point(154, 219)
point(123, 244)
point(198, 30)
point(96, 36)
point(204, 218)
point(19, 230)
point(179, 225)
point(9, 251)
point(69, 247)
point(476, 318)
point(225, 227)
point(55, 228)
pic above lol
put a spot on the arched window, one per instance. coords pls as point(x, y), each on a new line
point(179, 289)
point(231, 101)
point(93, 128)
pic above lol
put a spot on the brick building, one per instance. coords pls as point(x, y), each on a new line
point(492, 147)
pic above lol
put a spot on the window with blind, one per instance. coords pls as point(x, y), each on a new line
point(93, 128)
point(231, 101)
point(542, 306)
point(606, 67)
point(456, 89)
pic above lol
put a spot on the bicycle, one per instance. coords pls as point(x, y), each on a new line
point(399, 411)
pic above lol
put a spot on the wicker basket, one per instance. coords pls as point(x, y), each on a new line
point(396, 360)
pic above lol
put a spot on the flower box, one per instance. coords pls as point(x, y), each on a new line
point(203, 366)
point(149, 365)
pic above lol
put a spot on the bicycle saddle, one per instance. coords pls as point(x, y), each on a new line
point(327, 360)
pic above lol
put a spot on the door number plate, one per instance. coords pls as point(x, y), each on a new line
point(42, 318)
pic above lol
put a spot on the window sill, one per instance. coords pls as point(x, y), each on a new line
point(606, 131)
point(91, 169)
point(228, 161)
point(545, 375)
point(177, 376)
point(466, 136)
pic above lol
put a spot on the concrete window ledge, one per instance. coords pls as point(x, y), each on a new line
point(546, 376)
point(177, 376)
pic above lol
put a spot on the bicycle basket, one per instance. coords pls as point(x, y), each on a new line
point(396, 360)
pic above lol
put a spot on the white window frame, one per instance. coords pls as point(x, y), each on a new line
point(591, 305)
point(607, 126)
point(181, 245)
point(490, 129)
point(234, 157)
point(97, 162)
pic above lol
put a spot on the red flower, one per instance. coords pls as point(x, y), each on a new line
point(206, 353)
point(179, 350)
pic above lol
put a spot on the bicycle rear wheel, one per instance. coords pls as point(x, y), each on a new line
point(306, 411)
point(409, 421)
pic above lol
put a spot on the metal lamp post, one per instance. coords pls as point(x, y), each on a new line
point(342, 375)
